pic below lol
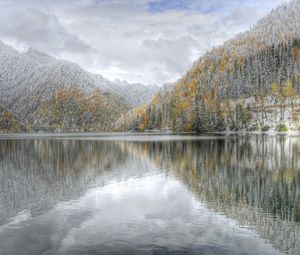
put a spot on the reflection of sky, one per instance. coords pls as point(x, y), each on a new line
point(142, 214)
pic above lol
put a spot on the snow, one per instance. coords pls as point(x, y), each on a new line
point(32, 77)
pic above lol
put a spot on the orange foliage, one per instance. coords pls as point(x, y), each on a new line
point(193, 88)
point(155, 100)
point(296, 53)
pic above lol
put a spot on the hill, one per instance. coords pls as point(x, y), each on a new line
point(251, 82)
point(48, 94)
point(135, 94)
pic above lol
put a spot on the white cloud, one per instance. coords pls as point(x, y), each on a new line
point(125, 39)
point(41, 31)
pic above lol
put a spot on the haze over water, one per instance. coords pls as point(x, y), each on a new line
point(149, 195)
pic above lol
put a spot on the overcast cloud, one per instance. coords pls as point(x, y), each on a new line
point(137, 40)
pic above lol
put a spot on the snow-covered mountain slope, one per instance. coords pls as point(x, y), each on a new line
point(32, 76)
point(33, 70)
point(30, 80)
point(135, 94)
point(39, 57)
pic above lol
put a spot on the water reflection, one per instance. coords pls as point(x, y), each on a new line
point(171, 196)
point(255, 181)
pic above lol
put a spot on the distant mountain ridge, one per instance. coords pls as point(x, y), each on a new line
point(134, 93)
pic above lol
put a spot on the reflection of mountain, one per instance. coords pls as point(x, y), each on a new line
point(37, 174)
point(255, 181)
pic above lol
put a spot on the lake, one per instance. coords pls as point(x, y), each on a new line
point(149, 194)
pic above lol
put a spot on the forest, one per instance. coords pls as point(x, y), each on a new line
point(251, 83)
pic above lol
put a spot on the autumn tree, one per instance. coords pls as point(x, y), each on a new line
point(290, 94)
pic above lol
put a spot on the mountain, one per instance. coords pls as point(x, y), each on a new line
point(49, 94)
point(135, 94)
point(251, 82)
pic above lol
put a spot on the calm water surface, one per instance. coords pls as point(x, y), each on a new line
point(149, 195)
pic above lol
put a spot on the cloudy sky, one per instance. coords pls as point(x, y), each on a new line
point(148, 41)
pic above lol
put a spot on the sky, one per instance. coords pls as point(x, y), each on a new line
point(146, 41)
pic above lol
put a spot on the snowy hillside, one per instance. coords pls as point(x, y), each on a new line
point(30, 80)
point(136, 94)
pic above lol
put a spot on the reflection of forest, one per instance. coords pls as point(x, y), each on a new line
point(255, 181)
point(36, 174)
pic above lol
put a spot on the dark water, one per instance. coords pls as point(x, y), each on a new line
point(150, 195)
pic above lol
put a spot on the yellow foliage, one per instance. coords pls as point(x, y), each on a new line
point(296, 53)
point(289, 176)
point(155, 100)
point(223, 65)
point(275, 88)
point(184, 105)
point(146, 119)
point(193, 88)
point(288, 91)
point(142, 127)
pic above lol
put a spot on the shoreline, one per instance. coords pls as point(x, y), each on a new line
point(137, 134)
